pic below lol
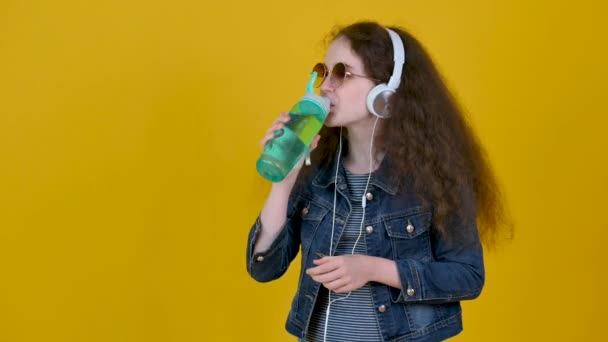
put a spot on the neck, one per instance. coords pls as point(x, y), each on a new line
point(359, 143)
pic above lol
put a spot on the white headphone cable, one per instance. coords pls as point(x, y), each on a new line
point(331, 238)
point(363, 205)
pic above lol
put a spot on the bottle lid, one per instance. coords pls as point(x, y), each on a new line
point(323, 101)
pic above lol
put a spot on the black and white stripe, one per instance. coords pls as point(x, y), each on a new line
point(351, 318)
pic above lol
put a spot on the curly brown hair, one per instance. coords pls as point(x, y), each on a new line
point(427, 137)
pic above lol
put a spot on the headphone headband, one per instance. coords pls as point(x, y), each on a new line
point(378, 98)
point(398, 58)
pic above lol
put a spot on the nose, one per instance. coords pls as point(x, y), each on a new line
point(326, 87)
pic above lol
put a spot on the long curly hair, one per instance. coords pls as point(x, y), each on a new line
point(427, 137)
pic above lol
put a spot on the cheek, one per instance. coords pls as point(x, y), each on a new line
point(354, 102)
point(359, 103)
point(362, 100)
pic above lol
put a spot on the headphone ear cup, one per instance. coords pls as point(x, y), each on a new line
point(378, 100)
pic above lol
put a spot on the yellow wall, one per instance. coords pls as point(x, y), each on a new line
point(129, 132)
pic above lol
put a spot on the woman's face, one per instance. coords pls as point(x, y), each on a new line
point(348, 100)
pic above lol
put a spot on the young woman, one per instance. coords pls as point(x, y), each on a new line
point(387, 215)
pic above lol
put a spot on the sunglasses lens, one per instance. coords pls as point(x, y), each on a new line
point(321, 71)
point(338, 74)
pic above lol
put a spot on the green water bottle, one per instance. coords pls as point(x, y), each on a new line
point(291, 143)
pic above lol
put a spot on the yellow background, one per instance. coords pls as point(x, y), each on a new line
point(129, 132)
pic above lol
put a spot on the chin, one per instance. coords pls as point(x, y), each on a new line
point(334, 120)
point(331, 120)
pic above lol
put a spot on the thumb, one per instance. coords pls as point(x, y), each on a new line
point(315, 142)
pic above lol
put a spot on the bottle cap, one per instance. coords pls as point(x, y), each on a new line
point(323, 101)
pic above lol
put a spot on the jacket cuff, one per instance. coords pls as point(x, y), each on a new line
point(265, 261)
point(410, 282)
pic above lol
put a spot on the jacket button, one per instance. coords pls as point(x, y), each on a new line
point(382, 308)
point(304, 211)
point(369, 229)
point(260, 258)
point(410, 292)
point(342, 187)
point(410, 228)
point(369, 196)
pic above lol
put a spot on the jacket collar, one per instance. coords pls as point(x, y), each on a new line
point(380, 178)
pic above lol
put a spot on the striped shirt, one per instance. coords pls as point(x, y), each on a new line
point(352, 317)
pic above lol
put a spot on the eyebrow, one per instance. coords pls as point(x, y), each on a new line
point(349, 67)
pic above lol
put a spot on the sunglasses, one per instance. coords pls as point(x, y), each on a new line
point(338, 74)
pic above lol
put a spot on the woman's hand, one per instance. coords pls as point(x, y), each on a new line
point(342, 273)
point(279, 124)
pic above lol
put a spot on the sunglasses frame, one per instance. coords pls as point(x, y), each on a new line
point(328, 74)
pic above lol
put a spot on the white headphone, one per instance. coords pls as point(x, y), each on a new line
point(378, 97)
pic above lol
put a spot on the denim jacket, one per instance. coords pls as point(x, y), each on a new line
point(435, 275)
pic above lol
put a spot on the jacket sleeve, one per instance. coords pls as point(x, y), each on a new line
point(456, 271)
point(272, 263)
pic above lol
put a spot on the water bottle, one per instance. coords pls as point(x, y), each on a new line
point(292, 142)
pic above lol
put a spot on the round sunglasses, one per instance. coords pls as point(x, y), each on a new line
point(338, 74)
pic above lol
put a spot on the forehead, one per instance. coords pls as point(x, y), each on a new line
point(340, 51)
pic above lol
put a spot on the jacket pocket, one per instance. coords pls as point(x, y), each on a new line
point(410, 235)
point(311, 215)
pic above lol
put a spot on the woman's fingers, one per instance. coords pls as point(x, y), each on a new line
point(336, 284)
point(277, 124)
point(283, 118)
point(315, 142)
